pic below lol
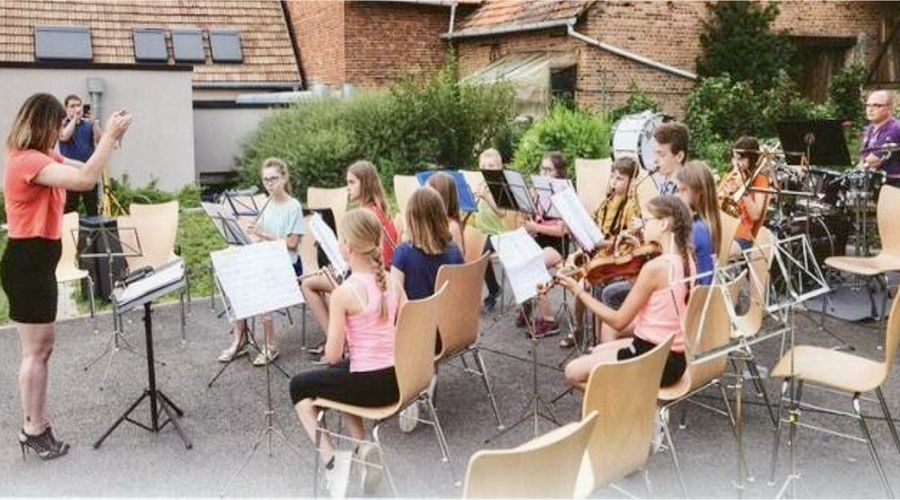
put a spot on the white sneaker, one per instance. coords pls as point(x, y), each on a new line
point(371, 473)
point(409, 417)
point(338, 477)
point(659, 433)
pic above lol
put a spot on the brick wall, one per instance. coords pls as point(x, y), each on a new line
point(386, 40)
point(319, 28)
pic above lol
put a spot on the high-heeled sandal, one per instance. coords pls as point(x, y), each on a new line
point(44, 445)
point(236, 350)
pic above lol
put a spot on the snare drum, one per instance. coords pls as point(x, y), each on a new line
point(633, 135)
point(863, 185)
point(827, 185)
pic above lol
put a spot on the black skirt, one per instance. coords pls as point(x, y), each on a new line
point(28, 275)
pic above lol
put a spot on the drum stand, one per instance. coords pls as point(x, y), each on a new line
point(536, 406)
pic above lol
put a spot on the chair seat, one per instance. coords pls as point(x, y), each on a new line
point(378, 413)
point(867, 266)
point(70, 274)
point(830, 368)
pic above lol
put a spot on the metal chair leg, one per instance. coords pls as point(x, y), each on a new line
point(93, 307)
point(777, 434)
point(887, 416)
point(664, 416)
point(442, 440)
point(872, 450)
point(384, 465)
point(320, 422)
point(487, 385)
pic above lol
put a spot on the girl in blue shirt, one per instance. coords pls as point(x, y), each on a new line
point(697, 187)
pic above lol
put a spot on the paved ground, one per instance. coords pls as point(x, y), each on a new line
point(223, 422)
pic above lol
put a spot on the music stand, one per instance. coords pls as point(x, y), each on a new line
point(241, 204)
point(110, 239)
point(327, 216)
point(227, 225)
point(509, 190)
point(257, 279)
point(820, 141)
point(164, 280)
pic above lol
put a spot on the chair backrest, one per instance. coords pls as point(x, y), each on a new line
point(474, 178)
point(460, 311)
point(404, 185)
point(591, 180)
point(892, 336)
point(473, 239)
point(308, 253)
point(333, 198)
point(414, 345)
point(545, 467)
point(759, 258)
point(888, 229)
point(157, 230)
point(728, 229)
point(707, 327)
point(69, 253)
point(624, 395)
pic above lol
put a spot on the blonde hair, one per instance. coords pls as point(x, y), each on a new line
point(491, 155)
point(282, 168)
point(370, 188)
point(446, 187)
point(37, 124)
point(361, 230)
point(697, 176)
point(429, 230)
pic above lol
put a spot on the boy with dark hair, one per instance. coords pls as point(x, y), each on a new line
point(673, 141)
point(77, 137)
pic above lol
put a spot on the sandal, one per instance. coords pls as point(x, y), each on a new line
point(236, 350)
point(567, 342)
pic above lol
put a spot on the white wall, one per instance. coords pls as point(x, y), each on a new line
point(220, 133)
point(160, 142)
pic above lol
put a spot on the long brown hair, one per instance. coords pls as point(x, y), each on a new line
point(362, 232)
point(747, 147)
point(370, 188)
point(673, 208)
point(427, 222)
point(446, 187)
point(697, 176)
point(37, 124)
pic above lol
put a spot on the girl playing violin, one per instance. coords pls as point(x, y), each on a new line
point(745, 155)
point(696, 186)
point(652, 311)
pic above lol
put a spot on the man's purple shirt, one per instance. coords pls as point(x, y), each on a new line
point(889, 133)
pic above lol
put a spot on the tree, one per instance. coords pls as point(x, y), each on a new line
point(737, 39)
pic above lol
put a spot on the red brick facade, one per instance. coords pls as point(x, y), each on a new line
point(319, 35)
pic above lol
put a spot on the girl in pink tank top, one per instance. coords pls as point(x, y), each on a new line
point(653, 309)
point(362, 318)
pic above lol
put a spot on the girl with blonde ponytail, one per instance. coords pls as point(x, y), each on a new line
point(361, 317)
point(652, 311)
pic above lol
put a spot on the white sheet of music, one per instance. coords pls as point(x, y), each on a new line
point(161, 277)
point(580, 224)
point(256, 279)
point(329, 244)
point(523, 260)
point(546, 187)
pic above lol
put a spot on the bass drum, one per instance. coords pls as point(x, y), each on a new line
point(632, 135)
point(825, 241)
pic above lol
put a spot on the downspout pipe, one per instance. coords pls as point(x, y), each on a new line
point(629, 55)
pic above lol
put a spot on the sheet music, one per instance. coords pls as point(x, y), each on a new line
point(523, 260)
point(577, 219)
point(161, 277)
point(546, 187)
point(226, 224)
point(519, 190)
point(328, 243)
point(256, 279)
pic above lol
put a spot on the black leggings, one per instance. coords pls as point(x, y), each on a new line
point(336, 382)
point(675, 363)
point(489, 278)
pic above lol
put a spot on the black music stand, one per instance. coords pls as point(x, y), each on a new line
point(509, 190)
point(164, 280)
point(820, 141)
point(242, 204)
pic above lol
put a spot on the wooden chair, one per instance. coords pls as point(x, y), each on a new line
point(414, 364)
point(888, 258)
point(592, 180)
point(474, 178)
point(623, 394)
point(545, 467)
point(728, 229)
point(460, 316)
point(706, 330)
point(67, 268)
point(404, 185)
point(846, 373)
point(333, 198)
point(473, 240)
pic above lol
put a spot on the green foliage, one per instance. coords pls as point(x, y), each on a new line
point(189, 196)
point(576, 133)
point(737, 39)
point(419, 120)
point(720, 109)
point(508, 138)
point(637, 102)
point(127, 194)
point(845, 92)
point(197, 237)
point(783, 101)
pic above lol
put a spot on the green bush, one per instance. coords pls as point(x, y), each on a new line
point(576, 133)
point(721, 109)
point(845, 92)
point(126, 194)
point(637, 102)
point(419, 120)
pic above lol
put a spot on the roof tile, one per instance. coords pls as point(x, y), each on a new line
point(495, 13)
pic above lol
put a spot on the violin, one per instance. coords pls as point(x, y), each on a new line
point(623, 260)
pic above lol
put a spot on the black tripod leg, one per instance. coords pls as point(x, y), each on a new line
point(165, 403)
point(170, 403)
point(120, 420)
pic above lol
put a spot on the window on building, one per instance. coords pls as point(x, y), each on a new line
point(225, 46)
point(817, 60)
point(150, 45)
point(62, 43)
point(188, 45)
point(562, 85)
